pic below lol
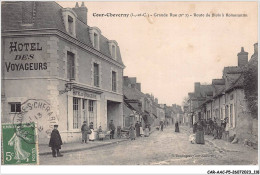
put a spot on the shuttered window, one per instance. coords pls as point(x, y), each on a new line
point(96, 75)
point(114, 81)
point(70, 65)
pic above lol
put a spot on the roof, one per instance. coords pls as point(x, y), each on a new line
point(232, 70)
point(132, 93)
point(40, 13)
point(237, 84)
point(204, 90)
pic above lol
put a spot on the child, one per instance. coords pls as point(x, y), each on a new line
point(55, 142)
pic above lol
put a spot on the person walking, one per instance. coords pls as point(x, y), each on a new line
point(200, 133)
point(132, 132)
point(112, 129)
point(137, 129)
point(84, 131)
point(177, 127)
point(55, 142)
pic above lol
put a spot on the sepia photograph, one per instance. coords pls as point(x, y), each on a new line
point(143, 83)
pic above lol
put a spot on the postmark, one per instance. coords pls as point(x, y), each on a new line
point(19, 144)
point(38, 111)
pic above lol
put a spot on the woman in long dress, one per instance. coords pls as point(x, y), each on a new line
point(15, 141)
point(92, 134)
point(146, 131)
point(177, 127)
point(132, 132)
point(200, 134)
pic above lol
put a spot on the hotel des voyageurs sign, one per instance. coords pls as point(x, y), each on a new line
point(24, 57)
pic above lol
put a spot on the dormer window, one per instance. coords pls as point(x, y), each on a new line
point(94, 37)
point(112, 49)
point(69, 17)
point(70, 25)
point(96, 41)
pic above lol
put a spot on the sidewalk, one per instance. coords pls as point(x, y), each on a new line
point(44, 149)
point(220, 144)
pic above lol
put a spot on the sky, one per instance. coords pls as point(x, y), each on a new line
point(169, 54)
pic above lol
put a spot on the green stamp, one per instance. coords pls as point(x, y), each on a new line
point(19, 144)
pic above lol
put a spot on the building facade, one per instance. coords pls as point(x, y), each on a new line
point(229, 102)
point(58, 71)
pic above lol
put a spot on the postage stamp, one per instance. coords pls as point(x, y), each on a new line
point(19, 144)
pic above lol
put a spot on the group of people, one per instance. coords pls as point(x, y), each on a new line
point(138, 131)
point(88, 130)
point(209, 127)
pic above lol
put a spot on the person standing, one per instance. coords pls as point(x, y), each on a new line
point(195, 127)
point(55, 142)
point(141, 129)
point(177, 127)
point(84, 131)
point(137, 129)
point(112, 129)
point(146, 131)
point(92, 134)
point(200, 133)
point(132, 132)
point(161, 124)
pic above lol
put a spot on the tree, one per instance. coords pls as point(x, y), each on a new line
point(250, 84)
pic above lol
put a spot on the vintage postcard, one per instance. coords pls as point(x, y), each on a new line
point(130, 83)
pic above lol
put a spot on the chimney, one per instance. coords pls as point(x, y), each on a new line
point(82, 12)
point(197, 88)
point(255, 48)
point(132, 80)
point(242, 58)
point(126, 81)
point(138, 86)
point(156, 100)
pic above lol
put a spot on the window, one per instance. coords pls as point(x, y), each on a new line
point(112, 48)
point(96, 75)
point(113, 51)
point(70, 25)
point(114, 81)
point(231, 115)
point(15, 107)
point(91, 110)
point(94, 33)
point(70, 65)
point(226, 112)
point(76, 113)
point(96, 41)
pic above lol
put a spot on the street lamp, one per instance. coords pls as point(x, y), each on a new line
point(68, 86)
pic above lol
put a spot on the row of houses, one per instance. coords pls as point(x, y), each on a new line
point(225, 98)
point(56, 69)
point(145, 108)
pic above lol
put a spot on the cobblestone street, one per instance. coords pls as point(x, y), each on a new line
point(161, 148)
